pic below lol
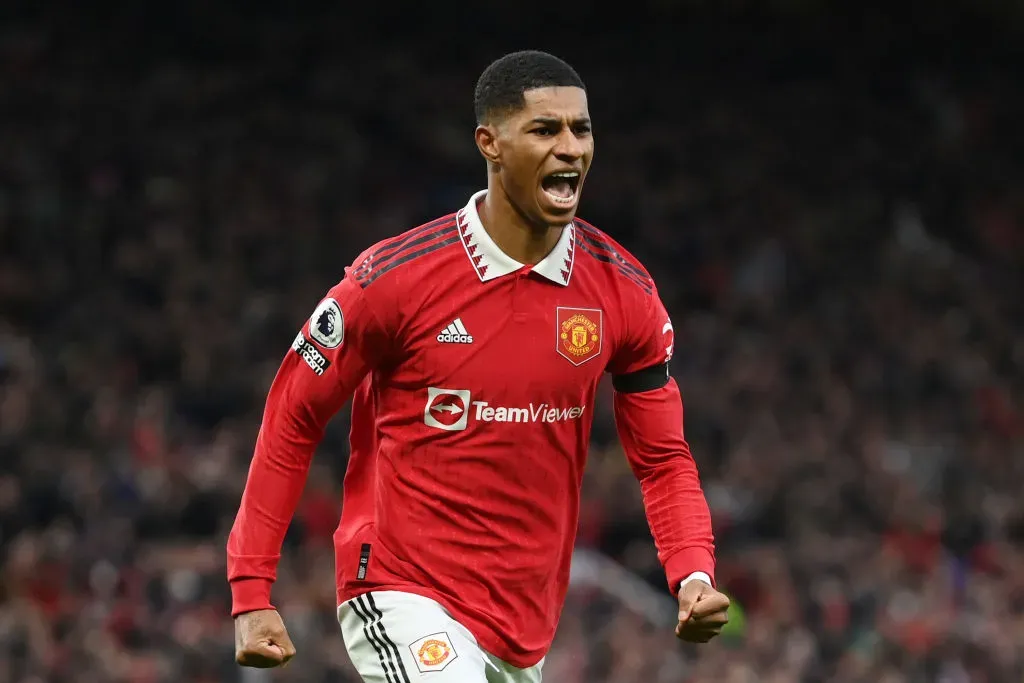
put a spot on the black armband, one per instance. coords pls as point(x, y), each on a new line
point(648, 379)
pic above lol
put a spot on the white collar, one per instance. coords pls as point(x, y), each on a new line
point(491, 262)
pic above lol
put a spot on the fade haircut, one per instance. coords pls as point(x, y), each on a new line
point(499, 91)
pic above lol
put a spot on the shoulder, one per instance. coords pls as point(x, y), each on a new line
point(411, 250)
point(609, 255)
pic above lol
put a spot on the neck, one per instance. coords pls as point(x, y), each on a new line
point(514, 234)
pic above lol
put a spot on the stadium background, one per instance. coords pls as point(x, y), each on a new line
point(830, 202)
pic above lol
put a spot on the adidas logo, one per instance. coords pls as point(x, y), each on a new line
point(455, 334)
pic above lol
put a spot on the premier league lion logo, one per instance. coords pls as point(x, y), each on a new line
point(326, 325)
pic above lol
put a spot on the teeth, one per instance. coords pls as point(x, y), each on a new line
point(561, 200)
point(566, 201)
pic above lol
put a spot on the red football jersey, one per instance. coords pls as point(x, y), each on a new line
point(473, 380)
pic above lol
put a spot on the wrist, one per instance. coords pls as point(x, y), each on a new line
point(696, 576)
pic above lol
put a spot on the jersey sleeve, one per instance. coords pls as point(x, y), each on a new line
point(650, 426)
point(648, 411)
point(341, 342)
point(648, 341)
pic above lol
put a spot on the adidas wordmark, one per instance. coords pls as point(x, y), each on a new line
point(455, 333)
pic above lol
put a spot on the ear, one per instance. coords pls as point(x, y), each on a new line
point(487, 142)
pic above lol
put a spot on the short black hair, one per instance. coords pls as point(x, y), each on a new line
point(502, 84)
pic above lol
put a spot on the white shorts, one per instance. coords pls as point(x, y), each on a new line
point(396, 637)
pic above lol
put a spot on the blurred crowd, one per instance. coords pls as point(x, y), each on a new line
point(832, 213)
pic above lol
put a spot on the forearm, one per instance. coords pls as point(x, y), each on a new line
point(650, 425)
point(332, 354)
point(272, 492)
point(277, 475)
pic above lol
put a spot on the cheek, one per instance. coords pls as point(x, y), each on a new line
point(588, 154)
point(519, 176)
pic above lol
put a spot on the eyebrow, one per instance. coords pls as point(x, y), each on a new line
point(552, 121)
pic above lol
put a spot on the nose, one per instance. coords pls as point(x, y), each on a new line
point(568, 147)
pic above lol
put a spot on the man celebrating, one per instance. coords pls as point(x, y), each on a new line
point(472, 347)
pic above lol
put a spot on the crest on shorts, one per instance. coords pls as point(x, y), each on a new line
point(433, 652)
point(579, 333)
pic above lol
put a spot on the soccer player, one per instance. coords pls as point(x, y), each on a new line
point(472, 347)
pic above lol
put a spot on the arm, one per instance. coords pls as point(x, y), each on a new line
point(650, 425)
point(649, 418)
point(336, 348)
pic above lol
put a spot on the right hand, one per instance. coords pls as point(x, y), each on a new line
point(261, 640)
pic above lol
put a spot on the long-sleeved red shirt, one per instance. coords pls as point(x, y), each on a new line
point(472, 379)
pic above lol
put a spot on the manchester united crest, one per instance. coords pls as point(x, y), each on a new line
point(433, 652)
point(579, 333)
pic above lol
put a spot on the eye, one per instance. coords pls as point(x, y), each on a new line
point(582, 129)
point(544, 131)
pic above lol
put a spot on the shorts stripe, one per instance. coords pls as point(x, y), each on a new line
point(383, 654)
point(384, 634)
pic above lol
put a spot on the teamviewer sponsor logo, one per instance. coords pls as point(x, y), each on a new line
point(450, 409)
point(447, 409)
point(533, 412)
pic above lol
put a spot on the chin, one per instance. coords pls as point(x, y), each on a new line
point(554, 219)
point(555, 214)
point(563, 218)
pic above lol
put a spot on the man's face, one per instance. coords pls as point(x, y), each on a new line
point(544, 152)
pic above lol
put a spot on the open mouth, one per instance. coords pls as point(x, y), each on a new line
point(561, 187)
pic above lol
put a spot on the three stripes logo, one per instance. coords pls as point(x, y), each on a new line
point(373, 628)
point(405, 248)
point(455, 333)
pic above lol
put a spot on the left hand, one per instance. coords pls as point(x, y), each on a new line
point(703, 612)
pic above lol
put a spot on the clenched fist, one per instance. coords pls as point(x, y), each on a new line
point(261, 640)
point(703, 612)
